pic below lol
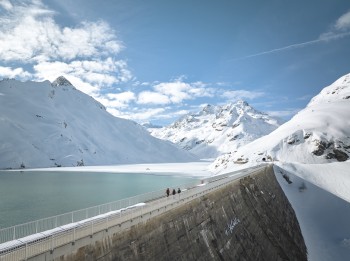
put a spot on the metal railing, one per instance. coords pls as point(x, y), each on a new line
point(37, 226)
point(53, 232)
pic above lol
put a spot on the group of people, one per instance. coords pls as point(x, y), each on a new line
point(174, 192)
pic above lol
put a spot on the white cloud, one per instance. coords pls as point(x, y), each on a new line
point(181, 112)
point(117, 100)
point(85, 54)
point(6, 4)
point(179, 91)
point(29, 33)
point(94, 74)
point(338, 31)
point(8, 72)
point(202, 92)
point(241, 94)
point(284, 113)
point(51, 70)
point(147, 97)
point(176, 91)
point(147, 114)
point(86, 87)
point(124, 97)
point(343, 22)
point(139, 115)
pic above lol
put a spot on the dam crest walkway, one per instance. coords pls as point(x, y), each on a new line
point(25, 241)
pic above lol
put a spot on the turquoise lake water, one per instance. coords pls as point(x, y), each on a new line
point(29, 195)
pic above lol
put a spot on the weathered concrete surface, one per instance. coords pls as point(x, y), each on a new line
point(250, 219)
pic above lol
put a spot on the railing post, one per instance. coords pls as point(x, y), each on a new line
point(51, 242)
point(25, 252)
point(14, 232)
point(74, 234)
point(36, 227)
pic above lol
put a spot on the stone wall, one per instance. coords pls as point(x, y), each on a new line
point(250, 219)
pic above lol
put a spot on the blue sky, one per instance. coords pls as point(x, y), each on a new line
point(159, 59)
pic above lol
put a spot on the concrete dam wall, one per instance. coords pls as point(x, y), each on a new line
point(249, 219)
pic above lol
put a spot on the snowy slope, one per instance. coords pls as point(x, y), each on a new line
point(318, 134)
point(320, 196)
point(44, 124)
point(310, 154)
point(217, 129)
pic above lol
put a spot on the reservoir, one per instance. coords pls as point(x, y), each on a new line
point(31, 195)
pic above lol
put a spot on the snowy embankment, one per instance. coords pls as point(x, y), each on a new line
point(320, 196)
point(332, 177)
point(188, 169)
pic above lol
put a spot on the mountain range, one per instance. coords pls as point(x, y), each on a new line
point(216, 130)
point(320, 133)
point(45, 124)
point(54, 124)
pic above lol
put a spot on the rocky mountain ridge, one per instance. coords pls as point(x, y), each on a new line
point(217, 129)
point(320, 133)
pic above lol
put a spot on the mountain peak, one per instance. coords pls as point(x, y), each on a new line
point(61, 81)
point(242, 103)
point(318, 134)
point(339, 90)
point(79, 130)
point(217, 129)
point(208, 109)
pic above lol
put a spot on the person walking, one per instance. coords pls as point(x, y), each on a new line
point(178, 190)
point(167, 192)
point(174, 192)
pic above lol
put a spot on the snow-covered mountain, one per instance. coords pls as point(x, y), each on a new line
point(320, 133)
point(44, 124)
point(217, 129)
